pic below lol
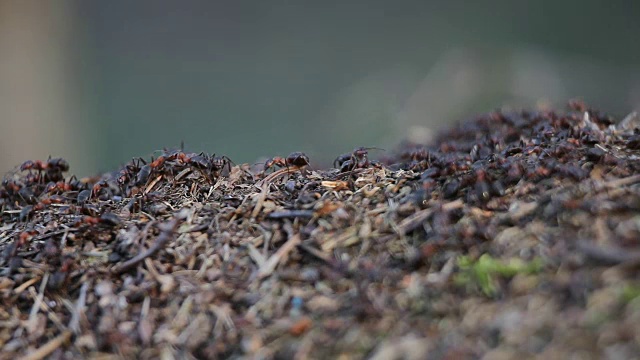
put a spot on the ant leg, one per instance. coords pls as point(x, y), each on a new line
point(228, 163)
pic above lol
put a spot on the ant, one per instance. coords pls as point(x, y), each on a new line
point(129, 171)
point(37, 165)
point(11, 186)
point(25, 237)
point(143, 175)
point(416, 159)
point(295, 159)
point(105, 219)
point(200, 161)
point(298, 159)
point(63, 186)
point(51, 164)
point(275, 161)
point(158, 162)
point(60, 277)
point(53, 199)
point(58, 164)
point(218, 163)
point(53, 167)
point(33, 165)
point(97, 187)
point(123, 177)
point(210, 163)
point(169, 155)
point(357, 159)
point(420, 153)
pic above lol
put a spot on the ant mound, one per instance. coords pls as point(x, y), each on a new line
point(514, 234)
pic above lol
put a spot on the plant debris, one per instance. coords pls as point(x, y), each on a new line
point(484, 270)
point(535, 213)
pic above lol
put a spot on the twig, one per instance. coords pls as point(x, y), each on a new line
point(290, 214)
point(350, 172)
point(54, 233)
point(196, 228)
point(322, 256)
point(46, 309)
point(261, 198)
point(32, 322)
point(152, 184)
point(49, 347)
point(25, 285)
point(166, 234)
point(255, 255)
point(612, 255)
point(624, 181)
point(264, 187)
point(274, 260)
point(412, 222)
point(279, 173)
point(74, 324)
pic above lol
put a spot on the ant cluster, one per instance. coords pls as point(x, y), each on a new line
point(515, 147)
point(39, 190)
point(357, 159)
point(137, 172)
point(479, 161)
point(50, 170)
point(41, 186)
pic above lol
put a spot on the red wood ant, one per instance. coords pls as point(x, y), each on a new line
point(53, 167)
point(218, 163)
point(123, 177)
point(295, 159)
point(275, 161)
point(98, 186)
point(157, 162)
point(33, 165)
point(83, 196)
point(11, 186)
point(200, 161)
point(26, 212)
point(105, 219)
point(169, 156)
point(26, 193)
point(59, 187)
point(298, 159)
point(143, 175)
point(357, 159)
point(129, 171)
point(212, 164)
point(25, 237)
point(53, 199)
point(58, 164)
point(60, 277)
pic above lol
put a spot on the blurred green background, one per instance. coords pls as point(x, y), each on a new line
point(99, 82)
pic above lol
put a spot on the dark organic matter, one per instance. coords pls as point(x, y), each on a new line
point(514, 234)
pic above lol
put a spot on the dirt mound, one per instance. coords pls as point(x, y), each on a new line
point(514, 234)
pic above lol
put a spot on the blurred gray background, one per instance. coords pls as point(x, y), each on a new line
point(99, 82)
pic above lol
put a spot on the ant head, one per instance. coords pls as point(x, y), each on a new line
point(297, 159)
point(363, 150)
point(219, 162)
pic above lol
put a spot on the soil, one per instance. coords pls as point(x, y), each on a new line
point(514, 235)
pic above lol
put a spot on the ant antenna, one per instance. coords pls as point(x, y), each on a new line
point(374, 148)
